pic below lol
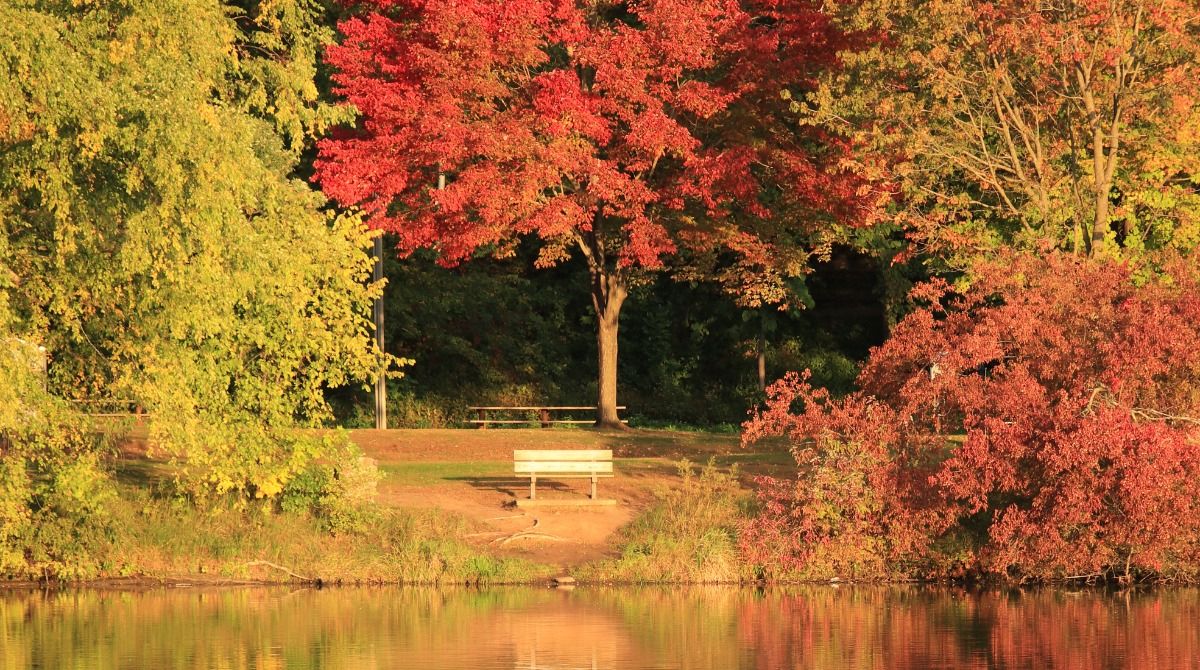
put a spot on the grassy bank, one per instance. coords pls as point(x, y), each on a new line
point(434, 507)
point(171, 540)
point(162, 538)
point(146, 534)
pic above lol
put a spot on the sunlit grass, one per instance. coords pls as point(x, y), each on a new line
point(688, 535)
point(161, 537)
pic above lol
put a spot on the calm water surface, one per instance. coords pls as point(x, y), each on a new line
point(819, 627)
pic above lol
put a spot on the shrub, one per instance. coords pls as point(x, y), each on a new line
point(858, 507)
point(213, 457)
point(54, 486)
point(407, 410)
point(349, 504)
point(341, 495)
point(1045, 411)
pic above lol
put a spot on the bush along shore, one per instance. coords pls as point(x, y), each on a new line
point(110, 519)
point(1041, 423)
point(325, 529)
point(141, 537)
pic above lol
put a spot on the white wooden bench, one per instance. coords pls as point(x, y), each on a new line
point(563, 464)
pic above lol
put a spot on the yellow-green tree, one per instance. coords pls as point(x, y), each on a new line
point(1069, 124)
point(155, 240)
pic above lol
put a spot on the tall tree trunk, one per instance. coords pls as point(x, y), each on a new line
point(1100, 224)
point(608, 294)
point(1106, 145)
point(762, 369)
point(761, 346)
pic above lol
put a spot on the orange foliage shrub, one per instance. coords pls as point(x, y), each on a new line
point(1040, 422)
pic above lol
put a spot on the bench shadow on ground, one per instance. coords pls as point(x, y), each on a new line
point(511, 486)
point(644, 468)
point(572, 489)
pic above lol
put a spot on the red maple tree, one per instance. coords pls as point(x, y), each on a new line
point(628, 132)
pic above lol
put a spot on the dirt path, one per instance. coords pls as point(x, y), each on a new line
point(470, 472)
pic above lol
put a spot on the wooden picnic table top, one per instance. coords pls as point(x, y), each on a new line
point(536, 407)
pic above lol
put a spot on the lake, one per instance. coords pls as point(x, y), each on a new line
point(819, 627)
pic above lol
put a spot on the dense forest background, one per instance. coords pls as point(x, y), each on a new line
point(501, 332)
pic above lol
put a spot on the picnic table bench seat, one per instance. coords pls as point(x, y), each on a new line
point(543, 413)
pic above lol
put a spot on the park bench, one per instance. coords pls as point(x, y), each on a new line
point(563, 464)
point(543, 413)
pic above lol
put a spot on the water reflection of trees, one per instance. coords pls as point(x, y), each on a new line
point(903, 629)
point(248, 628)
point(816, 627)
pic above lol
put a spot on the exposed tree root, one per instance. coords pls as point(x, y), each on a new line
point(282, 569)
point(528, 534)
point(510, 516)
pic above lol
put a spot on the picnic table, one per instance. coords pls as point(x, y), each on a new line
point(543, 414)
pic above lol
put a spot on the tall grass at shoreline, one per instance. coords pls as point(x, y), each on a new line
point(688, 535)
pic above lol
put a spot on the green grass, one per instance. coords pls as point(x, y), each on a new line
point(170, 538)
point(418, 473)
point(762, 458)
point(682, 427)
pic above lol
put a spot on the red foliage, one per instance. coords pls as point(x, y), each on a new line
point(861, 504)
point(625, 121)
point(1058, 401)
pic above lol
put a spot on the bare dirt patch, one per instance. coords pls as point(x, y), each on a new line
point(469, 472)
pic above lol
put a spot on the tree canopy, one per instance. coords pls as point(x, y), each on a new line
point(1067, 125)
point(155, 241)
point(629, 132)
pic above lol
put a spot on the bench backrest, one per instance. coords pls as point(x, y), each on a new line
point(547, 461)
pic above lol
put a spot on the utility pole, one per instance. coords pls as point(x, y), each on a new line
point(381, 380)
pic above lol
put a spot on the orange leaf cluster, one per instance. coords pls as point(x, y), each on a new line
point(649, 124)
point(1052, 407)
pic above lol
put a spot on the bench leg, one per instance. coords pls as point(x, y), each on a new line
point(533, 487)
point(593, 487)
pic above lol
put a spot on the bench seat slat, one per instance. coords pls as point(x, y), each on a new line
point(562, 455)
point(563, 475)
point(551, 468)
